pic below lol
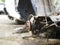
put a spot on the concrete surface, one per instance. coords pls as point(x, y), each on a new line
point(7, 38)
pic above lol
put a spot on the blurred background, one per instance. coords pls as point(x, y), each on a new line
point(7, 26)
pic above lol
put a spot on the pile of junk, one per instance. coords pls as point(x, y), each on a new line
point(41, 16)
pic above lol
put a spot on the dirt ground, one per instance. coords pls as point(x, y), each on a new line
point(7, 38)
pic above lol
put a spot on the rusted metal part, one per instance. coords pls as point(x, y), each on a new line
point(28, 25)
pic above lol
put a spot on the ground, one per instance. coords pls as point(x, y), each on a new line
point(7, 27)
